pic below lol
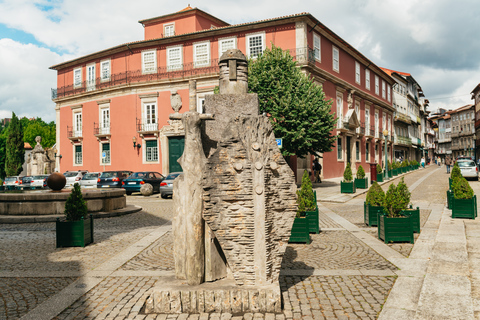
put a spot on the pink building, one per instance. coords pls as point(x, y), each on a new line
point(112, 106)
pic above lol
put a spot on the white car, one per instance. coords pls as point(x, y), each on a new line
point(73, 176)
point(89, 180)
point(468, 168)
point(38, 182)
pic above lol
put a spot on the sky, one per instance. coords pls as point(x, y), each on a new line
point(436, 41)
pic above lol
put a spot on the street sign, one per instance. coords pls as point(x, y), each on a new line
point(279, 142)
point(104, 155)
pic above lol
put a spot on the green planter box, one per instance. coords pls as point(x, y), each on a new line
point(450, 183)
point(395, 171)
point(449, 199)
point(464, 208)
point(415, 214)
point(398, 229)
point(362, 183)
point(347, 187)
point(313, 224)
point(74, 233)
point(404, 169)
point(370, 214)
point(390, 173)
point(300, 231)
point(380, 177)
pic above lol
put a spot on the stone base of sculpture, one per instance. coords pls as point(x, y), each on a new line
point(175, 296)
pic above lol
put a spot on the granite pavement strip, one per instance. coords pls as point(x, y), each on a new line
point(345, 273)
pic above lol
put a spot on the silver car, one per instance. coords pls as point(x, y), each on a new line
point(38, 182)
point(73, 176)
point(468, 168)
point(166, 187)
point(89, 180)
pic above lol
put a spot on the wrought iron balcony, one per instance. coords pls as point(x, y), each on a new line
point(147, 125)
point(101, 129)
point(73, 133)
point(403, 140)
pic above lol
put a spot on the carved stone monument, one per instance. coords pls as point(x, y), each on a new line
point(235, 205)
point(39, 160)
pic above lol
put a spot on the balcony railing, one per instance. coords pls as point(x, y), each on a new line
point(74, 132)
point(147, 125)
point(403, 140)
point(301, 55)
point(101, 129)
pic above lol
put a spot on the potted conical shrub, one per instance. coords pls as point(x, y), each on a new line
point(455, 174)
point(373, 206)
point(360, 181)
point(379, 173)
point(404, 193)
point(393, 225)
point(305, 201)
point(76, 230)
point(464, 199)
point(347, 185)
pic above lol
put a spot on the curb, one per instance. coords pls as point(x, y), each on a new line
point(52, 218)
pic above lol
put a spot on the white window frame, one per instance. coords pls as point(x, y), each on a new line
point(339, 113)
point(155, 152)
point(200, 62)
point(340, 138)
point(358, 153)
point(317, 47)
point(367, 121)
point(367, 79)
point(104, 77)
point(77, 81)
point(170, 32)
point(77, 123)
point(253, 35)
point(377, 85)
point(377, 122)
point(201, 104)
point(335, 62)
point(357, 72)
point(174, 63)
point(367, 152)
point(389, 93)
point(76, 156)
point(357, 112)
point(384, 91)
point(150, 69)
point(149, 118)
point(221, 43)
point(91, 72)
point(108, 159)
point(104, 124)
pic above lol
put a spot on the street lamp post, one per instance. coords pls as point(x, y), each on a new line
point(385, 135)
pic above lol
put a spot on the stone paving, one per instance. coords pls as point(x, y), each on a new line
point(29, 252)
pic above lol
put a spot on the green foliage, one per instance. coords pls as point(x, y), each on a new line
point(375, 195)
point(379, 168)
point(456, 173)
point(360, 172)
point(38, 127)
point(347, 174)
point(462, 189)
point(404, 163)
point(15, 152)
point(75, 206)
point(3, 151)
point(297, 107)
point(397, 199)
point(305, 196)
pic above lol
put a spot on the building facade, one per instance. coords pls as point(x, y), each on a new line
point(463, 131)
point(107, 100)
point(476, 97)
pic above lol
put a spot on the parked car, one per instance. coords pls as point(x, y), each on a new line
point(135, 181)
point(89, 180)
point(38, 182)
point(112, 179)
point(24, 183)
point(166, 187)
point(73, 176)
point(468, 168)
point(11, 182)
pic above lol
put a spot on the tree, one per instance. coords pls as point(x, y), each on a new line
point(297, 107)
point(15, 152)
point(39, 128)
point(3, 151)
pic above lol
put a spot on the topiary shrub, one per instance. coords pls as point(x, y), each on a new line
point(360, 173)
point(75, 206)
point(379, 168)
point(347, 174)
point(305, 196)
point(375, 195)
point(461, 189)
point(403, 194)
point(456, 173)
point(396, 199)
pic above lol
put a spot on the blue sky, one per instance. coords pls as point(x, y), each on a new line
point(434, 40)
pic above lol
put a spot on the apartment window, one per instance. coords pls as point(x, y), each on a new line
point(226, 44)
point(105, 70)
point(339, 148)
point(339, 110)
point(149, 61)
point(201, 54)
point(357, 150)
point(77, 126)
point(78, 154)
point(367, 79)
point(91, 77)
point(367, 121)
point(151, 150)
point(150, 117)
point(377, 85)
point(384, 121)
point(169, 30)
point(384, 92)
point(376, 124)
point(77, 77)
point(255, 44)
point(357, 72)
point(336, 59)
point(201, 105)
point(316, 47)
point(389, 93)
point(105, 121)
point(357, 112)
point(367, 152)
point(174, 58)
point(105, 153)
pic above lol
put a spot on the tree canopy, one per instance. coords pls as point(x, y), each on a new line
point(297, 107)
point(38, 127)
point(15, 152)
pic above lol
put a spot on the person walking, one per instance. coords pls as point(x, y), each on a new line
point(448, 163)
point(422, 162)
point(317, 169)
point(439, 161)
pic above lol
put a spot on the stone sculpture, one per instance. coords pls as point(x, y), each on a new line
point(38, 161)
point(235, 204)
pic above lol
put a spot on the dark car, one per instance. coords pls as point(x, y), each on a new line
point(166, 187)
point(24, 183)
point(135, 181)
point(112, 179)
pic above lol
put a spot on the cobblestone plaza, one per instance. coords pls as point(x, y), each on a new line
point(344, 273)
